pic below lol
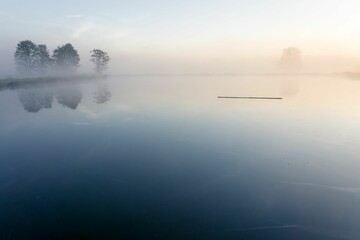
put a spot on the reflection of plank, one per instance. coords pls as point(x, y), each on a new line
point(266, 98)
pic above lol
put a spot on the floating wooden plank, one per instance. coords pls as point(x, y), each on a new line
point(265, 98)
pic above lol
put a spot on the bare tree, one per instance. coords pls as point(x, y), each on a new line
point(100, 59)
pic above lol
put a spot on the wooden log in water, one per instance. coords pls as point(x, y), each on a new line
point(265, 98)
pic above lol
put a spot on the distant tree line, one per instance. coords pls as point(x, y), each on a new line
point(290, 60)
point(34, 59)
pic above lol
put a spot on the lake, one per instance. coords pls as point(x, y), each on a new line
point(161, 157)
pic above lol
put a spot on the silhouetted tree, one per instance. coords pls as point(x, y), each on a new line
point(100, 59)
point(25, 56)
point(43, 60)
point(66, 58)
point(290, 59)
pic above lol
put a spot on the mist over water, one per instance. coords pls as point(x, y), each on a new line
point(179, 120)
point(213, 64)
point(159, 157)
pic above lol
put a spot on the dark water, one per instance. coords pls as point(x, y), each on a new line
point(163, 158)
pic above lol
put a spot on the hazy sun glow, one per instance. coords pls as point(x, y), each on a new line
point(190, 36)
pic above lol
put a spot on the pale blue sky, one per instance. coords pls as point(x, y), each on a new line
point(219, 29)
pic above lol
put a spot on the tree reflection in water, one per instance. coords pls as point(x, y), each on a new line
point(69, 97)
point(102, 93)
point(35, 100)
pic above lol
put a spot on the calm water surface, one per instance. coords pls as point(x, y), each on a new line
point(161, 157)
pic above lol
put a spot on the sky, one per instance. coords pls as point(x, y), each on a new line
point(183, 36)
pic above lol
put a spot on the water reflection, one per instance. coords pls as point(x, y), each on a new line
point(102, 93)
point(165, 155)
point(35, 100)
point(7, 176)
point(69, 96)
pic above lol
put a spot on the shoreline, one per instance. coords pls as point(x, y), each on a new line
point(16, 83)
point(11, 83)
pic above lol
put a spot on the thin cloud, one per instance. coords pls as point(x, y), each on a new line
point(117, 34)
point(134, 19)
point(75, 16)
point(106, 32)
point(123, 20)
point(82, 29)
point(5, 14)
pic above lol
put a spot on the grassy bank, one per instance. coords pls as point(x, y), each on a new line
point(15, 83)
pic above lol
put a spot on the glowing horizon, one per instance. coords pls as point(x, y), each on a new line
point(183, 31)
